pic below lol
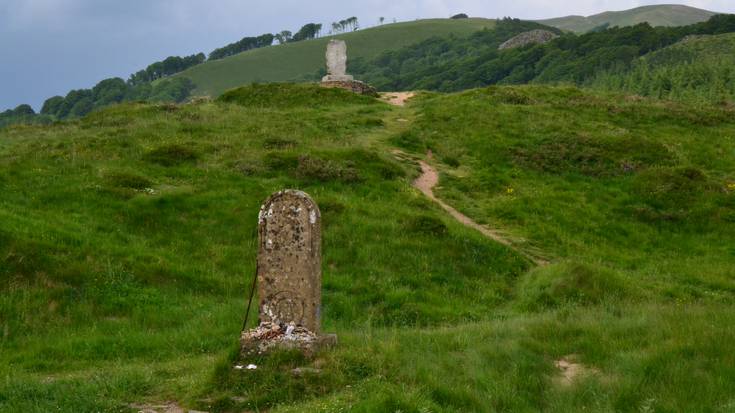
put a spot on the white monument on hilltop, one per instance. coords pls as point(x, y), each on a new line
point(337, 62)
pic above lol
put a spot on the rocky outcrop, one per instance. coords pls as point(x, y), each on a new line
point(353, 86)
point(532, 37)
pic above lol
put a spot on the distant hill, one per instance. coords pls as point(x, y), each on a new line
point(697, 68)
point(659, 15)
point(294, 60)
point(603, 58)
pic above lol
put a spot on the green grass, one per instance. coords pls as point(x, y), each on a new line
point(295, 60)
point(658, 15)
point(638, 186)
point(129, 238)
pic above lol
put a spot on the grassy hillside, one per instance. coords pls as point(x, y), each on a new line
point(293, 60)
point(643, 187)
point(659, 15)
point(129, 237)
point(699, 68)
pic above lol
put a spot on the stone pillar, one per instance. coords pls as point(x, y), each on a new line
point(289, 261)
point(337, 62)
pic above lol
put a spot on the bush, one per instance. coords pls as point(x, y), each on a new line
point(325, 170)
point(670, 194)
point(127, 180)
point(570, 283)
point(451, 161)
point(171, 155)
point(427, 224)
point(589, 156)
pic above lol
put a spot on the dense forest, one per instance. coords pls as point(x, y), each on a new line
point(698, 68)
point(457, 63)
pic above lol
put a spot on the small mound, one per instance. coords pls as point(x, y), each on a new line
point(675, 193)
point(570, 283)
point(526, 38)
point(289, 95)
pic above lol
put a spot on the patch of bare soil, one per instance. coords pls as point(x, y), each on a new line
point(430, 178)
point(571, 371)
point(397, 98)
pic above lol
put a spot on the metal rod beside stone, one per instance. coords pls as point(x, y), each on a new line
point(289, 277)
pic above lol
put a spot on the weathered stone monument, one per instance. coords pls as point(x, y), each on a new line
point(337, 62)
point(289, 276)
point(337, 76)
point(289, 260)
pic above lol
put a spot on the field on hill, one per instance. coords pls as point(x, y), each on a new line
point(658, 15)
point(129, 238)
point(294, 60)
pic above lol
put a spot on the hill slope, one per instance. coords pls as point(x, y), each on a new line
point(698, 68)
point(129, 237)
point(293, 60)
point(659, 15)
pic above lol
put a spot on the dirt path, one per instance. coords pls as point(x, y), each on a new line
point(430, 178)
point(397, 98)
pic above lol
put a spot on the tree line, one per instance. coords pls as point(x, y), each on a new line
point(169, 66)
point(349, 24)
point(306, 32)
point(80, 102)
point(150, 84)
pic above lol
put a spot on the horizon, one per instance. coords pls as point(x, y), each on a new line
point(84, 42)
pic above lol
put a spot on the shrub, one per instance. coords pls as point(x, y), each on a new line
point(127, 180)
point(451, 161)
point(670, 194)
point(171, 155)
point(570, 283)
point(589, 156)
point(325, 170)
point(427, 224)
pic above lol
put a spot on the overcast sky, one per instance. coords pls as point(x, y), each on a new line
point(48, 47)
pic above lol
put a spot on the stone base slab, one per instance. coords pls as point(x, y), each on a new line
point(355, 86)
point(269, 337)
point(338, 78)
